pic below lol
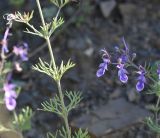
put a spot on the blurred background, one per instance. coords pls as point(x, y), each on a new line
point(109, 109)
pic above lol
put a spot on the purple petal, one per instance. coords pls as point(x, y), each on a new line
point(24, 57)
point(25, 45)
point(124, 58)
point(10, 103)
point(100, 72)
point(123, 78)
point(142, 78)
point(104, 66)
point(11, 93)
point(22, 52)
point(140, 86)
point(16, 50)
point(9, 87)
point(122, 71)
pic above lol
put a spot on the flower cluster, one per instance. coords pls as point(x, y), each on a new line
point(124, 60)
point(21, 53)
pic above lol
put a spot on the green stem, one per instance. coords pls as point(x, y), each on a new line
point(64, 111)
point(58, 13)
point(34, 29)
point(40, 12)
point(51, 53)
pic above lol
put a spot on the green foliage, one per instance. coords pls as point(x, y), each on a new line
point(50, 135)
point(63, 68)
point(55, 24)
point(152, 125)
point(34, 31)
point(22, 121)
point(55, 73)
point(60, 3)
point(155, 88)
point(63, 133)
point(7, 68)
point(17, 3)
point(49, 28)
point(154, 70)
point(81, 134)
point(53, 105)
point(24, 18)
point(46, 30)
point(74, 98)
point(153, 108)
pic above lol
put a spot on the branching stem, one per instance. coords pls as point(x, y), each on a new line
point(64, 111)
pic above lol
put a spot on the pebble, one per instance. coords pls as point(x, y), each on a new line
point(107, 7)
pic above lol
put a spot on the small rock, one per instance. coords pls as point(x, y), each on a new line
point(88, 52)
point(129, 10)
point(132, 95)
point(116, 93)
point(107, 7)
point(112, 116)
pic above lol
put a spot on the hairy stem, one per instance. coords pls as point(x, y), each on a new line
point(64, 111)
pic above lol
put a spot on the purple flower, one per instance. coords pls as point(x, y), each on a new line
point(10, 96)
point(104, 65)
point(141, 79)
point(21, 51)
point(122, 73)
point(158, 71)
